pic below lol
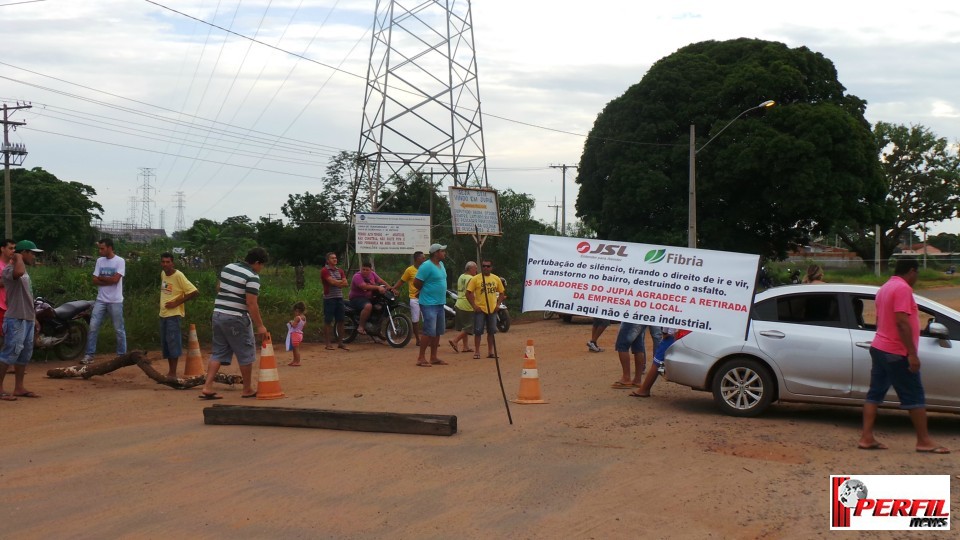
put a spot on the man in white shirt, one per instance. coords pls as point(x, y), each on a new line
point(108, 277)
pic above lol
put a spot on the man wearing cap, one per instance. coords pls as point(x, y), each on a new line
point(431, 281)
point(19, 324)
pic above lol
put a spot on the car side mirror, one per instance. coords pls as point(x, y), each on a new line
point(938, 330)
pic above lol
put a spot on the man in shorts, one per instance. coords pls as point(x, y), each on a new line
point(408, 276)
point(236, 319)
point(362, 286)
point(175, 290)
point(895, 361)
point(631, 339)
point(463, 320)
point(431, 281)
point(485, 293)
point(334, 280)
point(19, 324)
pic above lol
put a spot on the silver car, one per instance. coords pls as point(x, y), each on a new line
point(810, 344)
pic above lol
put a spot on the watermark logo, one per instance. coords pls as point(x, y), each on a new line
point(892, 502)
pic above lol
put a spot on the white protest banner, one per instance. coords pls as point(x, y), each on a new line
point(392, 233)
point(692, 289)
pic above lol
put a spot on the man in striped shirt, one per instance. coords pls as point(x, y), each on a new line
point(236, 318)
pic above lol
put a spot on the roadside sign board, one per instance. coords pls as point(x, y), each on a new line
point(475, 210)
point(392, 233)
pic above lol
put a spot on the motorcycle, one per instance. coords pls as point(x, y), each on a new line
point(385, 321)
point(63, 328)
point(503, 315)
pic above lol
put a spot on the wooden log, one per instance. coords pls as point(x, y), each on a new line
point(382, 422)
point(139, 359)
point(87, 371)
point(185, 383)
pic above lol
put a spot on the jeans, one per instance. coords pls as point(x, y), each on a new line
point(100, 309)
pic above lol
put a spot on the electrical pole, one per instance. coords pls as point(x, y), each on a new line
point(563, 197)
point(178, 224)
point(556, 211)
point(18, 152)
point(146, 213)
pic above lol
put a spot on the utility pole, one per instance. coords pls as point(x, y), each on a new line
point(18, 153)
point(178, 224)
point(563, 197)
point(556, 211)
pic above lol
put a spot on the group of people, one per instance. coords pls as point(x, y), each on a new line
point(18, 312)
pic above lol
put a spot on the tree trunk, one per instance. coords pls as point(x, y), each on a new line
point(139, 359)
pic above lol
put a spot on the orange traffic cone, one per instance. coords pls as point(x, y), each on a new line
point(529, 379)
point(269, 385)
point(194, 365)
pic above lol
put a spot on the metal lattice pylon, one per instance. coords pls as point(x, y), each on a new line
point(421, 107)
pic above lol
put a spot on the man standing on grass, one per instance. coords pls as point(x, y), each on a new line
point(236, 319)
point(175, 290)
point(895, 361)
point(19, 324)
point(108, 277)
point(408, 276)
point(334, 280)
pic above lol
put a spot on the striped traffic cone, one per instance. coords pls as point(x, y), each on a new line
point(529, 379)
point(194, 365)
point(268, 386)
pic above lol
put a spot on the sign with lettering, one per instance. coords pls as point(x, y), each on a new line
point(692, 289)
point(392, 233)
point(475, 210)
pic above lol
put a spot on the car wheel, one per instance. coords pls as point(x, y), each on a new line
point(743, 387)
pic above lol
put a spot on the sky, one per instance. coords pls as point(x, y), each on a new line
point(119, 86)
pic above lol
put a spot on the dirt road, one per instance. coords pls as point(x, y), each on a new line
point(119, 456)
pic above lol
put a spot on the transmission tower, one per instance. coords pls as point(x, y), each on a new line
point(146, 211)
point(132, 220)
point(178, 224)
point(421, 106)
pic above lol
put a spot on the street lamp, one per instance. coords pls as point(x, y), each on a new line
point(692, 199)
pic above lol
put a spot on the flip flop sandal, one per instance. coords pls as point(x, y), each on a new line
point(7, 397)
point(422, 364)
point(454, 346)
point(210, 397)
point(440, 363)
point(28, 395)
point(476, 357)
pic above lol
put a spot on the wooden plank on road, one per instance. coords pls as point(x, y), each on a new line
point(381, 422)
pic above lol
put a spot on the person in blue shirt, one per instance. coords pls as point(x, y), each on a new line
point(431, 281)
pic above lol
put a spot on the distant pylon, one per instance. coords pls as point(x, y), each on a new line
point(421, 106)
point(179, 225)
point(146, 213)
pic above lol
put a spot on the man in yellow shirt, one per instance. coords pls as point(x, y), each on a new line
point(175, 289)
point(407, 277)
point(485, 292)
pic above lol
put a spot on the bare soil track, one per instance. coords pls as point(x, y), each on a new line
point(120, 456)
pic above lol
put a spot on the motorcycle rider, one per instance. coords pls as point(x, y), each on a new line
point(364, 284)
point(20, 322)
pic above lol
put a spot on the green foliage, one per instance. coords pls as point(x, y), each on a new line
point(53, 213)
point(923, 186)
point(775, 177)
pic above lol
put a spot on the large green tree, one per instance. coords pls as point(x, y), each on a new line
point(773, 178)
point(55, 214)
point(922, 174)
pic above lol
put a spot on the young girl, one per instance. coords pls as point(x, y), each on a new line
point(295, 331)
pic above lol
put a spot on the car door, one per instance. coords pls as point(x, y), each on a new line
point(803, 334)
point(939, 359)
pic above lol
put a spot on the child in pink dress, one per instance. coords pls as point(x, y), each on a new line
point(295, 331)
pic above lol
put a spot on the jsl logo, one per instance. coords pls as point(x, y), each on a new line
point(603, 249)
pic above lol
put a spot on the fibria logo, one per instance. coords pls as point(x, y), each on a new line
point(602, 249)
point(655, 255)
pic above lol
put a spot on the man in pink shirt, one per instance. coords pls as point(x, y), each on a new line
point(895, 360)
